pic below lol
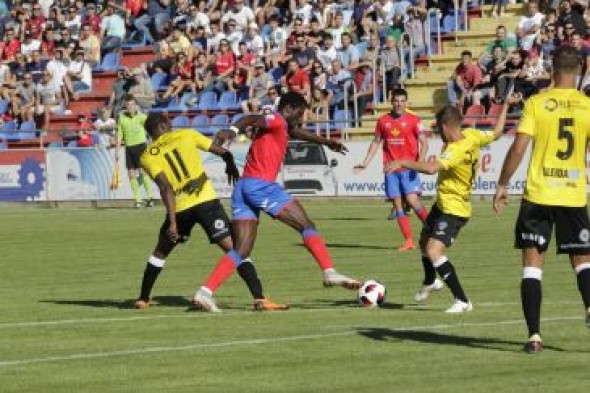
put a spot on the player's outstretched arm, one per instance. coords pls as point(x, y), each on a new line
point(231, 169)
point(169, 200)
point(429, 168)
point(511, 100)
point(511, 162)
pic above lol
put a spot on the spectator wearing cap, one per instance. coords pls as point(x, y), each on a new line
point(10, 46)
point(214, 38)
point(296, 79)
point(223, 69)
point(80, 75)
point(302, 9)
point(48, 98)
point(326, 53)
point(159, 12)
point(73, 22)
point(233, 35)
point(90, 45)
point(92, 19)
point(185, 74)
point(253, 40)
point(29, 45)
point(36, 66)
point(112, 31)
point(140, 87)
point(259, 81)
point(240, 13)
point(304, 55)
point(48, 43)
point(23, 103)
point(569, 14)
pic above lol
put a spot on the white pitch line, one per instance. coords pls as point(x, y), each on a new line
point(59, 322)
point(192, 347)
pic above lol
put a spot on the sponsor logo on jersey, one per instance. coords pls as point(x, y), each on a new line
point(584, 235)
point(539, 239)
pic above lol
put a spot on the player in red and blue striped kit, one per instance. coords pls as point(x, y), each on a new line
point(400, 132)
point(258, 191)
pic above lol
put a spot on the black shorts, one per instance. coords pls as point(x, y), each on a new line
point(210, 215)
point(534, 228)
point(133, 155)
point(442, 226)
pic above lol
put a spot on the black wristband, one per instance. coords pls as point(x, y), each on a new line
point(227, 156)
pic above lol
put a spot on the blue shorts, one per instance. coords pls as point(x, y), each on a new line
point(251, 195)
point(402, 183)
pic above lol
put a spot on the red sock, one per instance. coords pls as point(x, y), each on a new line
point(404, 226)
point(422, 214)
point(316, 246)
point(222, 271)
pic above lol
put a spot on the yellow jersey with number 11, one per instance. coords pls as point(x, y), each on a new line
point(175, 154)
point(558, 121)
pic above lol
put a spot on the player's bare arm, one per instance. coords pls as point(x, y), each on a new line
point(501, 122)
point(373, 147)
point(169, 200)
point(231, 169)
point(429, 168)
point(423, 141)
point(513, 159)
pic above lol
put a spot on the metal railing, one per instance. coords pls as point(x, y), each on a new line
point(375, 79)
point(427, 33)
point(403, 63)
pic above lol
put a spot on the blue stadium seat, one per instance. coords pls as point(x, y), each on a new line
point(208, 101)
point(228, 100)
point(236, 117)
point(3, 106)
point(187, 99)
point(159, 81)
point(72, 144)
point(434, 23)
point(3, 145)
point(9, 126)
point(110, 62)
point(133, 42)
point(448, 24)
point(339, 120)
point(201, 123)
point(180, 122)
point(218, 122)
point(27, 130)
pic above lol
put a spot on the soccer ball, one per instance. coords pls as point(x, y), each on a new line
point(371, 294)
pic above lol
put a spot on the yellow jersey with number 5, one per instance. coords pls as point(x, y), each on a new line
point(558, 121)
point(175, 154)
point(460, 161)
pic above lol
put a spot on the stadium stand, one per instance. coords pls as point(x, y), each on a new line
point(430, 36)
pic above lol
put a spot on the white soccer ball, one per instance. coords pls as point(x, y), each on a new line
point(371, 294)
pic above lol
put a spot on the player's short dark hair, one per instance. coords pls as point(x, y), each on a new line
point(450, 115)
point(292, 99)
point(399, 92)
point(153, 122)
point(128, 97)
point(566, 59)
point(346, 34)
point(466, 53)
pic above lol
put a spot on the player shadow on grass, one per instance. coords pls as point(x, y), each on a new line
point(166, 301)
point(321, 303)
point(427, 337)
point(352, 245)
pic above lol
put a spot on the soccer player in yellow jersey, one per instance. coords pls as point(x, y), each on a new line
point(173, 161)
point(456, 168)
point(557, 122)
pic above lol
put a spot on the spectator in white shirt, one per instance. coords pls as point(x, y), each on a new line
point(301, 9)
point(326, 52)
point(241, 14)
point(530, 25)
point(214, 37)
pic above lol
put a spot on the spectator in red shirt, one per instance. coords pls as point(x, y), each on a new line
point(224, 67)
point(185, 75)
point(296, 80)
point(465, 78)
point(85, 131)
point(10, 46)
point(37, 20)
point(244, 63)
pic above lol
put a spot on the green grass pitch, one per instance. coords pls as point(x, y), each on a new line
point(67, 275)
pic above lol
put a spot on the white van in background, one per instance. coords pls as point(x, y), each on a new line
point(306, 170)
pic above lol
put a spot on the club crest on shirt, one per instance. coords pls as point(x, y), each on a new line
point(550, 104)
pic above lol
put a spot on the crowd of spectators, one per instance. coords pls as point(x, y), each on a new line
point(258, 49)
point(521, 59)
